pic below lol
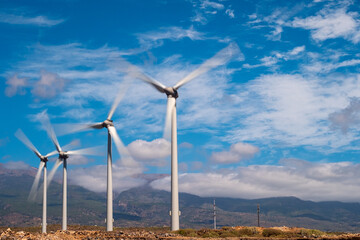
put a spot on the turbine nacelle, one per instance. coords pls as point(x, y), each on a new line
point(171, 92)
point(63, 155)
point(107, 123)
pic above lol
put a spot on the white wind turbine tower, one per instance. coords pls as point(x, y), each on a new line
point(63, 156)
point(171, 92)
point(126, 158)
point(43, 162)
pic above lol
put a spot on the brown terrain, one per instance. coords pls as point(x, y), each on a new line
point(93, 232)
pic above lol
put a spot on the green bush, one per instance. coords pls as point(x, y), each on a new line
point(248, 231)
point(188, 232)
point(270, 232)
point(309, 233)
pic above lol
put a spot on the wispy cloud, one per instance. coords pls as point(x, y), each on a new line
point(238, 152)
point(19, 165)
point(276, 57)
point(49, 85)
point(330, 24)
point(306, 180)
point(348, 117)
point(16, 85)
point(41, 21)
point(155, 38)
point(293, 110)
point(276, 21)
point(205, 9)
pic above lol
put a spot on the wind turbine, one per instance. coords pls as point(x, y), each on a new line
point(43, 162)
point(125, 155)
point(220, 58)
point(63, 156)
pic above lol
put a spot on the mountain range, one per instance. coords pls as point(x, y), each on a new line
point(144, 206)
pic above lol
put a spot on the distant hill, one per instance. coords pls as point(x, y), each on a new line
point(145, 206)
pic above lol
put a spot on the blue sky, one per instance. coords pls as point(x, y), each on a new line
point(281, 118)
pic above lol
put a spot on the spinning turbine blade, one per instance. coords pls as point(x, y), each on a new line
point(135, 72)
point(50, 131)
point(169, 109)
point(93, 151)
point(67, 128)
point(53, 171)
point(35, 185)
point(117, 100)
point(118, 143)
point(99, 125)
point(22, 137)
point(72, 144)
point(51, 153)
point(220, 58)
point(124, 153)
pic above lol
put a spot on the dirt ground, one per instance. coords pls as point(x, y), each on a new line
point(93, 232)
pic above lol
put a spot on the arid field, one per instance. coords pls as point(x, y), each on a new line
point(95, 232)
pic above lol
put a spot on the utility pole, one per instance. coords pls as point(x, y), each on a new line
point(214, 215)
point(258, 214)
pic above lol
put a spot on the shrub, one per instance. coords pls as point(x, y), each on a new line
point(188, 232)
point(248, 231)
point(309, 233)
point(269, 232)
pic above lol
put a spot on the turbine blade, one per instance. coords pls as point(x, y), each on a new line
point(50, 131)
point(51, 153)
point(92, 151)
point(169, 110)
point(53, 171)
point(67, 128)
point(220, 58)
point(135, 72)
point(118, 143)
point(35, 185)
point(22, 137)
point(72, 144)
point(96, 125)
point(126, 158)
point(118, 98)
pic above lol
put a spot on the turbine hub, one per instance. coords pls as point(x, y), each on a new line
point(108, 123)
point(43, 159)
point(63, 155)
point(171, 92)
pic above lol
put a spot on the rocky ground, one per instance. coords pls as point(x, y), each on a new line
point(82, 232)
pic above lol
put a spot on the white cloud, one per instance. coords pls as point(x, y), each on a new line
point(16, 85)
point(305, 180)
point(238, 152)
point(326, 63)
point(205, 10)
point(79, 160)
point(94, 178)
point(196, 165)
point(186, 145)
point(275, 21)
point(146, 151)
point(293, 110)
point(230, 13)
point(347, 117)
point(156, 38)
point(276, 57)
point(210, 4)
point(329, 24)
point(41, 21)
point(19, 165)
point(49, 85)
